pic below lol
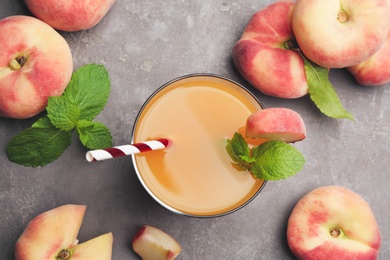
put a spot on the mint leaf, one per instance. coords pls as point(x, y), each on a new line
point(238, 150)
point(94, 135)
point(89, 90)
point(276, 160)
point(43, 122)
point(38, 145)
point(272, 160)
point(322, 92)
point(62, 113)
point(247, 159)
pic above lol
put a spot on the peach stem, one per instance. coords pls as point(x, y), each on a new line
point(64, 254)
point(335, 231)
point(17, 62)
point(342, 17)
point(291, 45)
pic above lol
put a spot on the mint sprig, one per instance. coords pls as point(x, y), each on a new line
point(83, 99)
point(272, 160)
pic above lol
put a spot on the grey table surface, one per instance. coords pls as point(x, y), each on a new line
point(144, 44)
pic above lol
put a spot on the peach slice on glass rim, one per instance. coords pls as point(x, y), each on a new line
point(281, 124)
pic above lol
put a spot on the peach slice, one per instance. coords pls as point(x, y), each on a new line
point(154, 244)
point(276, 124)
point(97, 248)
point(333, 222)
point(251, 141)
point(52, 235)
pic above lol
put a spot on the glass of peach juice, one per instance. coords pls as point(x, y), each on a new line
point(195, 176)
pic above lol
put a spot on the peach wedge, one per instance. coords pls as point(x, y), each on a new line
point(281, 124)
point(154, 244)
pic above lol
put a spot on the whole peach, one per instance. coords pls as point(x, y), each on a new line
point(376, 70)
point(35, 63)
point(338, 34)
point(264, 55)
point(333, 222)
point(70, 15)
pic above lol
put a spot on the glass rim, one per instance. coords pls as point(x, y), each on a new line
point(141, 110)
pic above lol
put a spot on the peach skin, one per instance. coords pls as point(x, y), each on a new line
point(265, 57)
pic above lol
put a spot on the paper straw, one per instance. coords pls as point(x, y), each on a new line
point(125, 150)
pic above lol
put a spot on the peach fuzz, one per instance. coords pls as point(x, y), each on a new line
point(264, 56)
point(70, 15)
point(338, 34)
point(53, 235)
point(333, 222)
point(35, 63)
point(49, 232)
point(376, 70)
point(276, 124)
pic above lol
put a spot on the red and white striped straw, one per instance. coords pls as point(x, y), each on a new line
point(124, 150)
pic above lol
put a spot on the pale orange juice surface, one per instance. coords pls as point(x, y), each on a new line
point(195, 176)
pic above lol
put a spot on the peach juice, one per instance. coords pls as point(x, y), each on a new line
point(195, 176)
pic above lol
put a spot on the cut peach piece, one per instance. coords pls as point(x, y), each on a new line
point(97, 248)
point(154, 244)
point(53, 235)
point(50, 232)
point(251, 141)
point(276, 124)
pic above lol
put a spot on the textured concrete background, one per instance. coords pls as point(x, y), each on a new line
point(144, 44)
